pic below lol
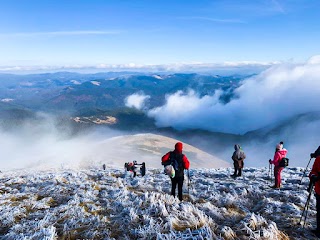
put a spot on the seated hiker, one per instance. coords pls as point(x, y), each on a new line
point(278, 155)
point(179, 162)
point(132, 168)
point(238, 156)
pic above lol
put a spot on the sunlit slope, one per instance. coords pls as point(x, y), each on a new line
point(150, 148)
point(85, 152)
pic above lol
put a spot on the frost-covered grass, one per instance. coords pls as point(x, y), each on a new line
point(97, 204)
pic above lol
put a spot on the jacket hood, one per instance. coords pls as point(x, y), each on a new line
point(178, 147)
point(279, 146)
point(283, 151)
point(236, 147)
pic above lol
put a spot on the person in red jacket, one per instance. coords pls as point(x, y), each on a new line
point(179, 162)
point(314, 179)
point(278, 155)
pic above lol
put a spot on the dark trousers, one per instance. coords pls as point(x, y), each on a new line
point(318, 211)
point(174, 181)
point(238, 165)
point(237, 172)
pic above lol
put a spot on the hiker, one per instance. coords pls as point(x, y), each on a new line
point(281, 144)
point(314, 179)
point(131, 167)
point(278, 155)
point(238, 156)
point(104, 167)
point(179, 162)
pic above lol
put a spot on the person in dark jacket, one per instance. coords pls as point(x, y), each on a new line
point(314, 179)
point(180, 162)
point(278, 155)
point(238, 156)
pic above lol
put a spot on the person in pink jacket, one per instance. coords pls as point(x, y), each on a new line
point(278, 155)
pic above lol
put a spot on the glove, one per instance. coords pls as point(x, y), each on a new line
point(312, 155)
point(314, 179)
point(270, 161)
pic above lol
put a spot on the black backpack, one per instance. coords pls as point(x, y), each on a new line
point(316, 153)
point(284, 162)
point(176, 160)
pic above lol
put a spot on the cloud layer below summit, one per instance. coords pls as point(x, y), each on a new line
point(278, 93)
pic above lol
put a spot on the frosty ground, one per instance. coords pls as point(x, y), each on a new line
point(111, 204)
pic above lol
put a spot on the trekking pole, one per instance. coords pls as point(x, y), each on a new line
point(270, 172)
point(305, 171)
point(188, 181)
point(306, 206)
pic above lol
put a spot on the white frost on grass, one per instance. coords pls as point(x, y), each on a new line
point(97, 204)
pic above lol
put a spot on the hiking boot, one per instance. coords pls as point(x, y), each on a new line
point(234, 176)
point(275, 187)
point(316, 232)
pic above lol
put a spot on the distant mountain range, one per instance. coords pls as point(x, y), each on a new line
point(71, 92)
point(92, 98)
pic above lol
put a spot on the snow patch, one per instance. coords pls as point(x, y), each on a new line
point(7, 100)
point(75, 82)
point(95, 83)
point(157, 77)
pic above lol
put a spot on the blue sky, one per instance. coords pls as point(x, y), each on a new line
point(92, 32)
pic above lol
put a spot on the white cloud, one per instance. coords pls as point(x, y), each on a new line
point(45, 143)
point(136, 100)
point(314, 60)
point(59, 33)
point(276, 94)
point(216, 20)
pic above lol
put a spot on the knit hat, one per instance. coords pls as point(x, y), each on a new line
point(279, 146)
point(178, 147)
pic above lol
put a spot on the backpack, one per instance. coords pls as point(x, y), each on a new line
point(316, 153)
point(169, 170)
point(177, 162)
point(284, 162)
